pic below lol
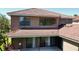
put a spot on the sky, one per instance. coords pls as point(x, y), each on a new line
point(66, 11)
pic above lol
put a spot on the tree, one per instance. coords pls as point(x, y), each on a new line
point(75, 15)
point(4, 23)
point(4, 28)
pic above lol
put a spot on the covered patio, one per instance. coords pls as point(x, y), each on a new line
point(36, 40)
point(39, 49)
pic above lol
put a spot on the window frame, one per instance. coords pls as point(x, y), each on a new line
point(25, 19)
point(45, 20)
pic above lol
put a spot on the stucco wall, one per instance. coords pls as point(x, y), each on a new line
point(65, 21)
point(14, 23)
point(69, 47)
point(34, 22)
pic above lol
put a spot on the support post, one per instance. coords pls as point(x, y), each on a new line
point(33, 43)
point(48, 41)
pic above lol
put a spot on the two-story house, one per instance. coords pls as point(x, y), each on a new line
point(36, 28)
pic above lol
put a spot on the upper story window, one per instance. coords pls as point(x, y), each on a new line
point(24, 21)
point(47, 21)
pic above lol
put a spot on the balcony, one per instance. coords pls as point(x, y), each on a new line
point(39, 27)
point(39, 23)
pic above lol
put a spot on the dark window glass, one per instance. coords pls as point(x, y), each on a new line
point(47, 21)
point(25, 22)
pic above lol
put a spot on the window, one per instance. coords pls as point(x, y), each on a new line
point(24, 21)
point(47, 21)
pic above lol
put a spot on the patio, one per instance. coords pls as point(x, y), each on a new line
point(40, 49)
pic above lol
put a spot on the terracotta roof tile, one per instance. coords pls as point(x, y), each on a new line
point(38, 12)
point(70, 32)
point(33, 33)
point(76, 18)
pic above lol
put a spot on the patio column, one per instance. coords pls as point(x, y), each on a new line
point(33, 43)
point(57, 19)
point(48, 40)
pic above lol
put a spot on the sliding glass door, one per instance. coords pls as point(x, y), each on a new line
point(29, 43)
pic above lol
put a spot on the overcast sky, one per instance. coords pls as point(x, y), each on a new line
point(67, 11)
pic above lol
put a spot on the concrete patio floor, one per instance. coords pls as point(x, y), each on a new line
point(40, 49)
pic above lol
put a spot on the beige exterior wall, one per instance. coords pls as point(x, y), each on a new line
point(34, 22)
point(69, 47)
point(65, 21)
point(14, 23)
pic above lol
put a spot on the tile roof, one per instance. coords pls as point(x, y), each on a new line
point(71, 32)
point(33, 33)
point(76, 18)
point(38, 12)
